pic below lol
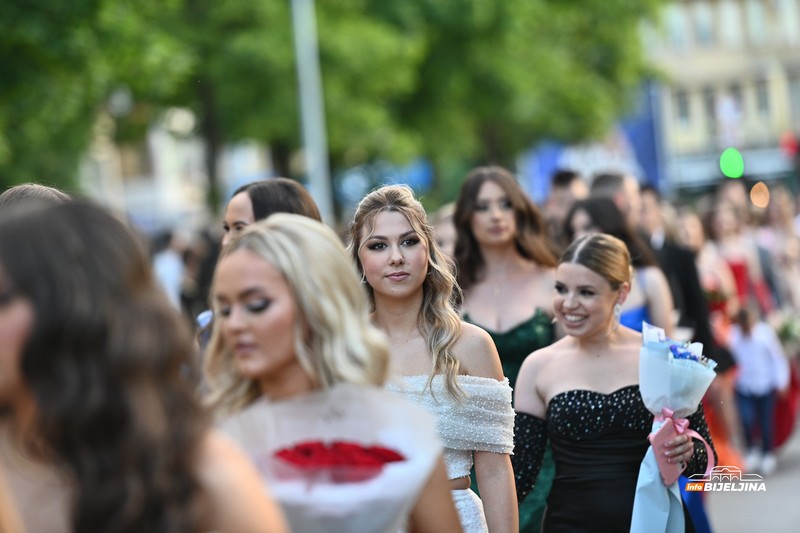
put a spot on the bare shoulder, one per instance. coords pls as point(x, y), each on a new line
point(537, 361)
point(530, 394)
point(476, 352)
point(221, 462)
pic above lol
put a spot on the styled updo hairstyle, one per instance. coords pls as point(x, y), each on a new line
point(604, 255)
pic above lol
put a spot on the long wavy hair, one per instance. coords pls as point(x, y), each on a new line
point(438, 319)
point(105, 363)
point(335, 340)
point(531, 238)
point(607, 218)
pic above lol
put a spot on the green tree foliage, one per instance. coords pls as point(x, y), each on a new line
point(498, 77)
point(61, 61)
point(459, 81)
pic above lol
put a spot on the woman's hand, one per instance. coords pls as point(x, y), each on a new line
point(679, 450)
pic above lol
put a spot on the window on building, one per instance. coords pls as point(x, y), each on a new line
point(762, 98)
point(703, 20)
point(789, 18)
point(730, 23)
point(756, 22)
point(682, 112)
point(737, 97)
point(676, 24)
point(710, 110)
point(794, 97)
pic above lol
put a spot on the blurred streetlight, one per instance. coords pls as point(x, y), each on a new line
point(311, 106)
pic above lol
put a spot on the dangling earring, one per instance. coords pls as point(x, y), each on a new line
point(617, 314)
point(363, 278)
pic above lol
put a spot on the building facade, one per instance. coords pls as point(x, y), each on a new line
point(731, 79)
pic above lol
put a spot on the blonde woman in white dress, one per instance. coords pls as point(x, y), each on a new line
point(447, 365)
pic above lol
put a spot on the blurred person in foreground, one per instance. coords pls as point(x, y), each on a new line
point(448, 366)
point(505, 268)
point(9, 519)
point(100, 429)
point(582, 394)
point(29, 194)
point(295, 370)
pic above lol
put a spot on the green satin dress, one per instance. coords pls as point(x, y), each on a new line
point(514, 346)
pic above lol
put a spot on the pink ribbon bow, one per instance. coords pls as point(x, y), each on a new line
point(682, 426)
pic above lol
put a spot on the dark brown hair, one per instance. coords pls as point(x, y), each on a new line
point(531, 239)
point(31, 194)
point(607, 217)
point(106, 363)
point(279, 195)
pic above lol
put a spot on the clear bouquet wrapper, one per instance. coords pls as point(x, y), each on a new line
point(673, 377)
point(347, 459)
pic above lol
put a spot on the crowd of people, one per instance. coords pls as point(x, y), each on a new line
point(473, 370)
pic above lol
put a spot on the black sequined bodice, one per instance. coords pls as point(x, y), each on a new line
point(583, 414)
point(598, 443)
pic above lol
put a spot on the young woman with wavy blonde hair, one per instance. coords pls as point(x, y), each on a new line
point(448, 366)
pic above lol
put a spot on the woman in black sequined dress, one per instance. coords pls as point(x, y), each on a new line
point(582, 394)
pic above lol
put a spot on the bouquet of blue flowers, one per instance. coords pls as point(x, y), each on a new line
point(673, 377)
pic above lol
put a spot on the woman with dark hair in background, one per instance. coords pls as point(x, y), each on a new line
point(505, 268)
point(102, 431)
point(650, 298)
point(259, 199)
point(250, 203)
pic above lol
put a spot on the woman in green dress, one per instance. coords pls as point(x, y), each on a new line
point(506, 270)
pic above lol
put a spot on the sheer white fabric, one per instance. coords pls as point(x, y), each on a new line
point(365, 415)
point(482, 421)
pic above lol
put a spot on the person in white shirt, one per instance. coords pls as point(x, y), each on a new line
point(763, 373)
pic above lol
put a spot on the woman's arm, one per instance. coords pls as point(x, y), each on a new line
point(659, 299)
point(9, 520)
point(496, 485)
point(530, 436)
point(434, 511)
point(236, 497)
point(492, 470)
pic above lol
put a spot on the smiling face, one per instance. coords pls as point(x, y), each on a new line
point(394, 257)
point(238, 215)
point(493, 221)
point(257, 312)
point(16, 323)
point(584, 301)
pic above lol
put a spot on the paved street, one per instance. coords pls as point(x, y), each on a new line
point(775, 511)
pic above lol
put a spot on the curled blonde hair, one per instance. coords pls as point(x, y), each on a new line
point(438, 320)
point(335, 340)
